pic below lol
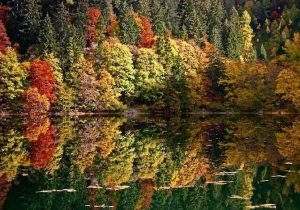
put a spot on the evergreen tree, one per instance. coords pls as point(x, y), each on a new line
point(81, 23)
point(263, 53)
point(234, 37)
point(25, 22)
point(157, 18)
point(47, 38)
point(187, 18)
point(129, 32)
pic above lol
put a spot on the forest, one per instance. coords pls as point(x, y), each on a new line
point(169, 56)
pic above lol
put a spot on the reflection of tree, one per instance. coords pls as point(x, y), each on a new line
point(4, 186)
point(147, 191)
point(43, 149)
point(150, 153)
point(288, 141)
point(119, 165)
point(35, 126)
point(248, 142)
point(13, 153)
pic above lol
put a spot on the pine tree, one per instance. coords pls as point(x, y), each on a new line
point(129, 33)
point(248, 50)
point(81, 24)
point(188, 19)
point(157, 18)
point(24, 22)
point(234, 37)
point(47, 38)
point(263, 53)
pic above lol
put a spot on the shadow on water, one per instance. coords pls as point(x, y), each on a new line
point(150, 162)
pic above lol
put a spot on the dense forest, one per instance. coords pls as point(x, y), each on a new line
point(161, 55)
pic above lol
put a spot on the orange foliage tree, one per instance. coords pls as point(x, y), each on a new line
point(147, 34)
point(35, 103)
point(113, 27)
point(93, 14)
point(3, 13)
point(42, 77)
point(43, 149)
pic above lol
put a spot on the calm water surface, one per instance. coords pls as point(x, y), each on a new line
point(194, 162)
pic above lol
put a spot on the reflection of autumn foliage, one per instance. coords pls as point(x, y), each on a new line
point(246, 143)
point(120, 162)
point(36, 126)
point(147, 191)
point(42, 77)
point(194, 166)
point(13, 153)
point(34, 103)
point(288, 141)
point(4, 186)
point(93, 14)
point(43, 149)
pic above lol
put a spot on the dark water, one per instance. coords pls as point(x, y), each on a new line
point(194, 162)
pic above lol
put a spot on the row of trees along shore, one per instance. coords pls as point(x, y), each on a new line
point(174, 55)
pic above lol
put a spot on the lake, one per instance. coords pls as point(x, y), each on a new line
point(148, 162)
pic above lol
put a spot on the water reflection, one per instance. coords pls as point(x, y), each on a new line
point(235, 162)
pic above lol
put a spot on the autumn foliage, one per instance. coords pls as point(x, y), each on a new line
point(4, 40)
point(147, 35)
point(3, 12)
point(43, 149)
point(35, 103)
point(93, 14)
point(42, 78)
point(113, 27)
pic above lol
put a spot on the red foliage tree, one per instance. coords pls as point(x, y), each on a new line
point(43, 149)
point(93, 14)
point(4, 40)
point(147, 35)
point(5, 187)
point(42, 77)
point(3, 13)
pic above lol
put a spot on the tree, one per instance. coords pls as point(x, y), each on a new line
point(25, 22)
point(128, 33)
point(88, 85)
point(118, 62)
point(157, 18)
point(292, 48)
point(12, 77)
point(147, 35)
point(41, 77)
point(149, 80)
point(4, 39)
point(234, 36)
point(288, 85)
point(109, 96)
point(94, 15)
point(187, 18)
point(248, 52)
point(47, 42)
point(35, 103)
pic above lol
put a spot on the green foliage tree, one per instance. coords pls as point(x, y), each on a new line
point(157, 18)
point(118, 62)
point(149, 76)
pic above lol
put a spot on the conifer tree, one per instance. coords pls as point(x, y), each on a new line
point(157, 18)
point(47, 38)
point(234, 37)
point(129, 33)
point(25, 22)
point(81, 24)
